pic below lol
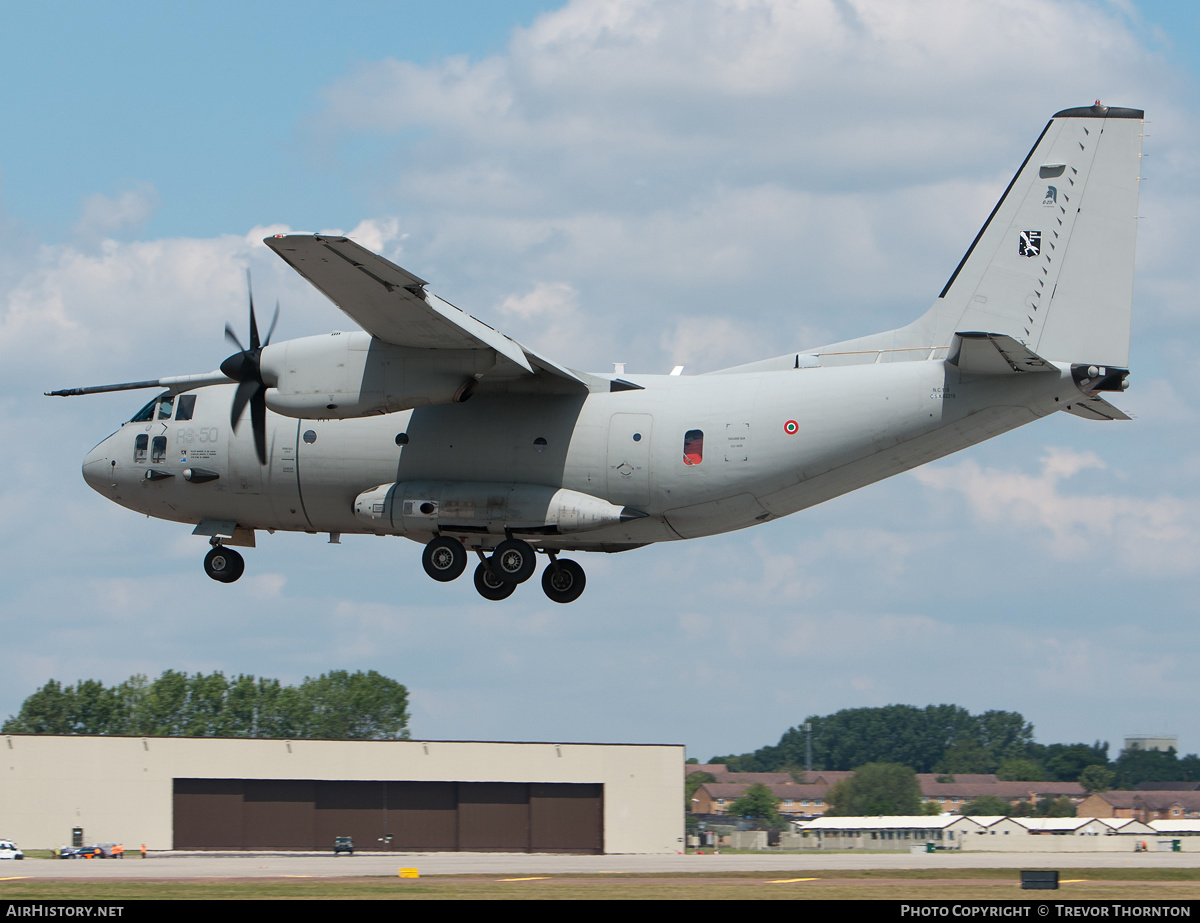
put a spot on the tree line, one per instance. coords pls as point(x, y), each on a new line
point(337, 705)
point(948, 739)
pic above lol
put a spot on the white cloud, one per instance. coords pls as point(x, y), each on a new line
point(1148, 535)
point(547, 318)
point(267, 586)
point(547, 300)
point(103, 216)
point(768, 83)
point(750, 159)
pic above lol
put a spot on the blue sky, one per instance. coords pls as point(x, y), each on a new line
point(657, 183)
point(206, 102)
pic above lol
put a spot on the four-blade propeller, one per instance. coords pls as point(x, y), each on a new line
point(245, 368)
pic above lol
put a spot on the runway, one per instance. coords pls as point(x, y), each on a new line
point(323, 865)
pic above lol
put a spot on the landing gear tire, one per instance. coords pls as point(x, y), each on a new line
point(566, 585)
point(514, 561)
point(490, 586)
point(224, 564)
point(444, 559)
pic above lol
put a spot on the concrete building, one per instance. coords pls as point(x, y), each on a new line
point(797, 800)
point(946, 831)
point(203, 793)
point(976, 834)
point(1142, 805)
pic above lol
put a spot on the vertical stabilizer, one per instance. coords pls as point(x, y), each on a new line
point(1053, 265)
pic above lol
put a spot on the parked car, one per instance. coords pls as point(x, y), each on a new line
point(343, 844)
point(10, 850)
point(81, 852)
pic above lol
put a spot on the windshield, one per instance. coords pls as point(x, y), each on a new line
point(147, 413)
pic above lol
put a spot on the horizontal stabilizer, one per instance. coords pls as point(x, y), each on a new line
point(994, 354)
point(1096, 408)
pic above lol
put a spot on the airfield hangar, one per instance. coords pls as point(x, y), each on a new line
point(401, 796)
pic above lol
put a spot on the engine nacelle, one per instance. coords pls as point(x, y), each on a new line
point(468, 507)
point(345, 375)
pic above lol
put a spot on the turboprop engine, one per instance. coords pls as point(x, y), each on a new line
point(415, 507)
point(344, 375)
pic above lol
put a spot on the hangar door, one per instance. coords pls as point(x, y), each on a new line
point(398, 816)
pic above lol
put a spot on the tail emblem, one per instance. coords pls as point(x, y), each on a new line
point(1030, 243)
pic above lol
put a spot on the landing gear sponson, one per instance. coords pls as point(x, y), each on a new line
point(421, 507)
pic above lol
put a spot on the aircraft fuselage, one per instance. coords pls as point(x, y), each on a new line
point(758, 446)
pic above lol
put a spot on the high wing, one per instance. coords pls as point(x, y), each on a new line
point(392, 305)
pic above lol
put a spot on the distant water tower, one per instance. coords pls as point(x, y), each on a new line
point(1163, 742)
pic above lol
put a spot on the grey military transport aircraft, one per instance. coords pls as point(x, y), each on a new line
point(431, 425)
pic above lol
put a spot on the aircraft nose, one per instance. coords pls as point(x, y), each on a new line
point(98, 469)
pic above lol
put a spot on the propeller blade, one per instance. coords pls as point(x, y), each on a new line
point(254, 341)
point(244, 368)
point(247, 390)
point(274, 319)
point(258, 419)
point(232, 337)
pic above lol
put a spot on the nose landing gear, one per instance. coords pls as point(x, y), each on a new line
point(224, 564)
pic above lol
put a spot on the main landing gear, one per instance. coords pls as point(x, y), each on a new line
point(563, 581)
point(445, 559)
point(496, 576)
point(224, 564)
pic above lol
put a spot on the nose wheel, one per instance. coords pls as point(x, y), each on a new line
point(223, 564)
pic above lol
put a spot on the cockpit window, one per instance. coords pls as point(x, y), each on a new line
point(146, 414)
point(184, 406)
point(165, 404)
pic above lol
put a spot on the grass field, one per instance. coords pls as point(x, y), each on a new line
point(932, 884)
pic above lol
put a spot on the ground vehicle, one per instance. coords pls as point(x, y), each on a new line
point(81, 852)
point(10, 850)
point(343, 844)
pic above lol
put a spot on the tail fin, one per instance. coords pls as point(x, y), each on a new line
point(1052, 267)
